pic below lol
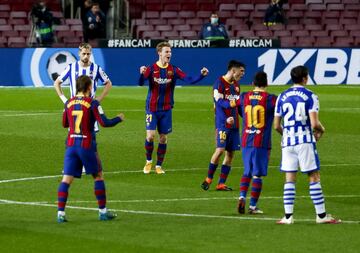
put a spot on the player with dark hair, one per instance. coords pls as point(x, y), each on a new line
point(226, 93)
point(162, 78)
point(298, 109)
point(257, 110)
point(79, 116)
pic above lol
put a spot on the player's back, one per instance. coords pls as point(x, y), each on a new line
point(257, 110)
point(294, 106)
point(79, 117)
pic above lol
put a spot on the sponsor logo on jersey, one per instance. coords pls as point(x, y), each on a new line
point(162, 80)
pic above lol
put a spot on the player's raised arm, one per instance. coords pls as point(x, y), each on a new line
point(192, 79)
point(101, 117)
point(144, 74)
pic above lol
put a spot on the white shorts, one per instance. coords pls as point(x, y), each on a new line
point(303, 155)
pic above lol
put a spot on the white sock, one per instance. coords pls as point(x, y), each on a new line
point(317, 197)
point(289, 197)
point(61, 213)
point(102, 211)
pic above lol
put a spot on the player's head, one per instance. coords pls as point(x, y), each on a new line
point(214, 18)
point(164, 51)
point(260, 79)
point(83, 85)
point(300, 75)
point(95, 7)
point(236, 70)
point(85, 52)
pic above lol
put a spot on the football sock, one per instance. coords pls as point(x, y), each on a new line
point(289, 198)
point(62, 195)
point(161, 151)
point(100, 193)
point(255, 191)
point(225, 170)
point(244, 186)
point(211, 170)
point(317, 197)
point(149, 147)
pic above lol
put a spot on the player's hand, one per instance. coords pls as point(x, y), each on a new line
point(230, 120)
point(317, 135)
point(204, 71)
point(142, 70)
point(121, 116)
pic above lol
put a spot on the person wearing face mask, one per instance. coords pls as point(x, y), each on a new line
point(213, 30)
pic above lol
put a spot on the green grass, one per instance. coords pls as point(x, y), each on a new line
point(149, 206)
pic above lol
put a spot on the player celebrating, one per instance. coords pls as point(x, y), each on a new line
point(300, 129)
point(83, 67)
point(226, 98)
point(162, 78)
point(257, 110)
point(79, 116)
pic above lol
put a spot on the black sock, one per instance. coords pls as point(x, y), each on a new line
point(288, 215)
point(322, 215)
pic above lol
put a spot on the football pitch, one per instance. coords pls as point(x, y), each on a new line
point(169, 212)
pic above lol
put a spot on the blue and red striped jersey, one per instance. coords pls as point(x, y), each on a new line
point(162, 81)
point(257, 109)
point(79, 116)
point(225, 91)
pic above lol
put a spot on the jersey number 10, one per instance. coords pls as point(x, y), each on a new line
point(255, 116)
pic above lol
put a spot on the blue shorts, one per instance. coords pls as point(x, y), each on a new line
point(161, 120)
point(256, 161)
point(228, 139)
point(77, 157)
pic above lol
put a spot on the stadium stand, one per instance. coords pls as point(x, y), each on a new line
point(319, 23)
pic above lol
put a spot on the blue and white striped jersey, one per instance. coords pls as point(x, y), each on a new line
point(74, 70)
point(294, 107)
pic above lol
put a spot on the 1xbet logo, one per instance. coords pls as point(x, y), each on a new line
point(326, 66)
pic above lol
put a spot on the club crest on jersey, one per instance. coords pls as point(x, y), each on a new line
point(170, 73)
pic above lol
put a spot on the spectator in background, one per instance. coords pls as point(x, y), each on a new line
point(95, 23)
point(274, 13)
point(43, 21)
point(213, 30)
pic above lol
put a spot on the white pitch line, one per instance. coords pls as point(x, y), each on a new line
point(202, 199)
point(169, 170)
point(191, 215)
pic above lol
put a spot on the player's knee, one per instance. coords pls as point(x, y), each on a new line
point(163, 139)
point(150, 137)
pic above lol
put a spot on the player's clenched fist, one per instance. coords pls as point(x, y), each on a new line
point(204, 71)
point(142, 70)
point(230, 120)
point(121, 116)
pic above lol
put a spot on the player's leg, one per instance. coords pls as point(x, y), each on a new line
point(245, 179)
point(164, 128)
point(93, 166)
point(232, 144)
point(63, 192)
point(289, 165)
point(151, 123)
point(225, 170)
point(72, 168)
point(309, 163)
point(214, 161)
point(260, 161)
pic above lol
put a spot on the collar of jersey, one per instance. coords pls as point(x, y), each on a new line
point(227, 80)
point(298, 86)
point(163, 67)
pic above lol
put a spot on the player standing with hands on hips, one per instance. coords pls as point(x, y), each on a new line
point(298, 108)
point(162, 78)
point(79, 116)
